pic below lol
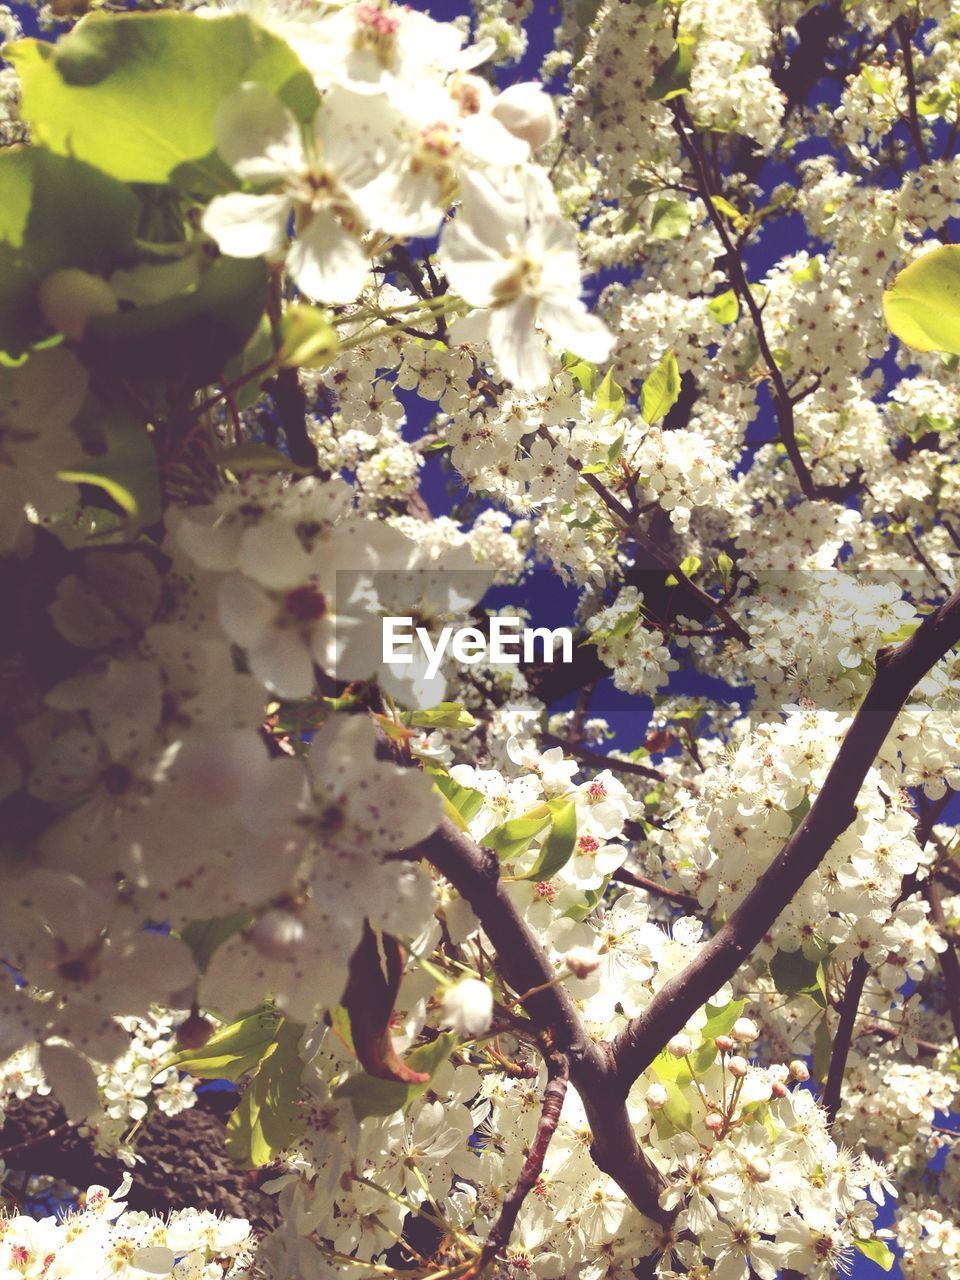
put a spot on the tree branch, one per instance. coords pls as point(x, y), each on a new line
point(782, 402)
point(898, 671)
point(949, 962)
point(597, 760)
point(686, 900)
point(558, 1076)
point(904, 35)
point(475, 874)
point(849, 1007)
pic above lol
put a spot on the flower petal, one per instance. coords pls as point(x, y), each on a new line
point(247, 226)
point(257, 136)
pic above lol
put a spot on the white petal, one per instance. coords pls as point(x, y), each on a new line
point(247, 226)
point(283, 665)
point(257, 135)
point(572, 328)
point(155, 1259)
point(518, 347)
point(273, 555)
point(327, 262)
point(472, 266)
point(247, 613)
point(72, 1079)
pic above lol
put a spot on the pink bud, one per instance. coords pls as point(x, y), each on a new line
point(724, 1043)
point(657, 1097)
point(778, 1090)
point(714, 1122)
point(799, 1070)
point(745, 1030)
point(738, 1067)
point(581, 961)
point(680, 1046)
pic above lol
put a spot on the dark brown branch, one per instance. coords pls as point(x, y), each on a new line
point(898, 671)
point(646, 543)
point(949, 961)
point(783, 405)
point(291, 405)
point(685, 900)
point(597, 760)
point(558, 1076)
point(849, 1006)
point(522, 962)
point(905, 36)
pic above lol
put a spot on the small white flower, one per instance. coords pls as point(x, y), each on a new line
point(468, 1008)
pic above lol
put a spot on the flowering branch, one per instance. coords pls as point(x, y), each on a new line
point(475, 874)
point(782, 400)
point(949, 962)
point(899, 669)
point(558, 1077)
point(849, 1007)
point(597, 760)
point(686, 900)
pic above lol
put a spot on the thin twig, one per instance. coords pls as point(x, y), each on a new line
point(904, 35)
point(783, 405)
point(597, 760)
point(558, 1076)
point(625, 876)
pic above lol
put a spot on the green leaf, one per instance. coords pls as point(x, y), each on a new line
point(268, 1117)
point(373, 1097)
point(661, 389)
point(124, 464)
point(609, 398)
point(591, 897)
point(135, 94)
point(54, 212)
point(794, 974)
point(582, 372)
point(251, 456)
point(511, 839)
point(187, 339)
point(724, 565)
point(557, 849)
point(670, 220)
point(203, 937)
point(723, 205)
point(235, 1049)
point(725, 307)
point(677, 1115)
point(822, 1049)
point(689, 565)
point(461, 804)
point(445, 715)
point(877, 1251)
point(673, 76)
point(922, 306)
point(719, 1021)
point(307, 338)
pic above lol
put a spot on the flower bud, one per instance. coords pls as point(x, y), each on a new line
point(468, 1008)
point(657, 1097)
point(277, 934)
point(581, 961)
point(778, 1089)
point(745, 1030)
point(725, 1043)
point(680, 1046)
point(799, 1070)
point(713, 1122)
point(70, 298)
point(758, 1170)
point(527, 111)
point(738, 1067)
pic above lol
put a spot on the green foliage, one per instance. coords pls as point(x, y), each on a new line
point(187, 339)
point(373, 1097)
point(609, 398)
point(55, 212)
point(725, 307)
point(307, 338)
point(719, 1021)
point(156, 79)
point(673, 75)
point(235, 1049)
point(922, 306)
point(670, 220)
point(557, 849)
point(269, 1117)
point(511, 839)
point(795, 974)
point(661, 389)
point(445, 715)
point(877, 1251)
point(204, 937)
point(120, 460)
point(460, 804)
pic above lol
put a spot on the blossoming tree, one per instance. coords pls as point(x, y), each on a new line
point(641, 963)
